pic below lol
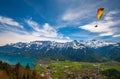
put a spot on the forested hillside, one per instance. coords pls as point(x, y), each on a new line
point(18, 72)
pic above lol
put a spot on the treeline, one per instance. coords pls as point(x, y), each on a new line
point(111, 74)
point(18, 72)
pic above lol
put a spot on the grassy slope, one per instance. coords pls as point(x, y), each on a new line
point(57, 68)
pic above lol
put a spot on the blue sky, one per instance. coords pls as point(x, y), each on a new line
point(58, 20)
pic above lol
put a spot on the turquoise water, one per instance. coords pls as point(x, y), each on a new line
point(13, 60)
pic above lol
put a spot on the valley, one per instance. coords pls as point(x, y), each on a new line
point(53, 60)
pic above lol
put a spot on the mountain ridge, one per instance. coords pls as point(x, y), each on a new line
point(93, 50)
point(91, 43)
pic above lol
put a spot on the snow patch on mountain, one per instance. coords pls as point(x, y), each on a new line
point(74, 44)
point(96, 43)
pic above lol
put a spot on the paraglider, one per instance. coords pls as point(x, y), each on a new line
point(99, 13)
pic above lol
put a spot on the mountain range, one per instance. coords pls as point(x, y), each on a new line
point(89, 51)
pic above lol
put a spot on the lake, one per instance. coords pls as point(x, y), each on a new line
point(13, 60)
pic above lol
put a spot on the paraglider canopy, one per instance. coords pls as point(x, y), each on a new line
point(100, 13)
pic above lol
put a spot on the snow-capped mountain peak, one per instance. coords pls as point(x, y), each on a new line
point(96, 43)
point(74, 44)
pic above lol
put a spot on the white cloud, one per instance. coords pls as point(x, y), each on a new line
point(48, 31)
point(80, 12)
point(9, 21)
point(106, 27)
point(16, 37)
point(70, 15)
point(33, 24)
point(68, 38)
point(118, 35)
point(106, 34)
point(40, 33)
point(110, 14)
point(43, 30)
point(75, 14)
point(103, 26)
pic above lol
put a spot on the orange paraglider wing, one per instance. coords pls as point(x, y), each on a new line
point(99, 13)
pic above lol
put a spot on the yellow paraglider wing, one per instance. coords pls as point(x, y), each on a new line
point(99, 13)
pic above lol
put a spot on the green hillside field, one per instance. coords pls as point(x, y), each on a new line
point(80, 70)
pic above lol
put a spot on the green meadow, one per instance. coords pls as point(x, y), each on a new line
point(73, 70)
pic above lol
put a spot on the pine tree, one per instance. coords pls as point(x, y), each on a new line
point(23, 77)
point(17, 66)
point(27, 66)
